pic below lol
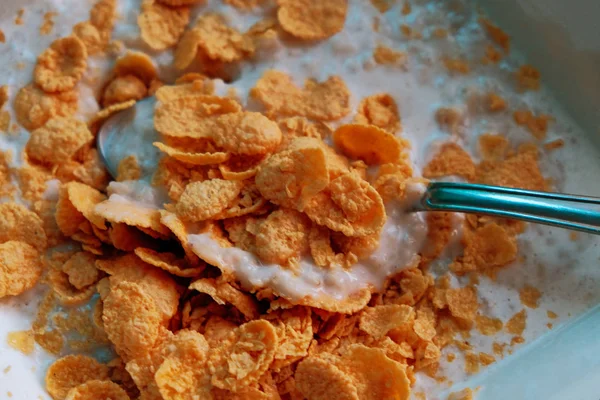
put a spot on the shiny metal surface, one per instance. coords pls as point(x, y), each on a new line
point(563, 210)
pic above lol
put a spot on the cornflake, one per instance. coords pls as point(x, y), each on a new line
point(528, 78)
point(188, 116)
point(131, 319)
point(182, 374)
point(450, 160)
point(386, 56)
point(81, 270)
point(488, 326)
point(243, 356)
point(33, 107)
point(283, 237)
point(380, 110)
point(318, 379)
point(517, 323)
point(58, 140)
point(20, 224)
point(124, 88)
point(374, 374)
point(369, 143)
point(378, 321)
point(530, 296)
point(161, 26)
point(350, 206)
point(496, 34)
point(20, 268)
point(61, 66)
point(312, 19)
point(463, 302)
point(71, 371)
point(292, 177)
point(203, 200)
point(323, 101)
point(97, 389)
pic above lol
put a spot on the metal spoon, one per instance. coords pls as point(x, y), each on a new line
point(563, 210)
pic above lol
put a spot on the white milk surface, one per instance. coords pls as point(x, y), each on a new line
point(565, 271)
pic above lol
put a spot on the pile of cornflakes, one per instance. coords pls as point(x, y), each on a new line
point(282, 184)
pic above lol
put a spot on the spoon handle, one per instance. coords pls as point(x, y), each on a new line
point(563, 210)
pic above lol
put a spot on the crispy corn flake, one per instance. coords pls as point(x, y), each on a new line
point(221, 42)
point(159, 285)
point(369, 143)
point(324, 101)
point(33, 107)
point(491, 56)
point(81, 269)
point(312, 19)
point(102, 16)
point(379, 320)
point(247, 133)
point(137, 64)
point(517, 323)
point(448, 119)
point(169, 262)
point(536, 125)
point(84, 199)
point(496, 34)
point(294, 127)
point(240, 168)
point(493, 147)
point(283, 237)
point(380, 110)
point(203, 200)
point(90, 36)
point(488, 326)
point(244, 4)
point(62, 65)
point(97, 389)
point(530, 296)
point(374, 374)
point(187, 49)
point(495, 103)
point(58, 140)
point(168, 93)
point(528, 78)
point(182, 374)
point(463, 302)
point(131, 319)
point(95, 122)
point(179, 229)
point(3, 95)
point(456, 66)
point(387, 56)
point(244, 356)
point(124, 88)
point(465, 394)
point(162, 26)
point(518, 171)
point(71, 371)
point(193, 158)
point(179, 3)
point(292, 177)
point(128, 238)
point(352, 207)
point(188, 116)
point(20, 224)
point(294, 332)
point(132, 215)
point(129, 169)
point(22, 341)
point(20, 267)
point(65, 292)
point(319, 379)
point(224, 293)
point(450, 160)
